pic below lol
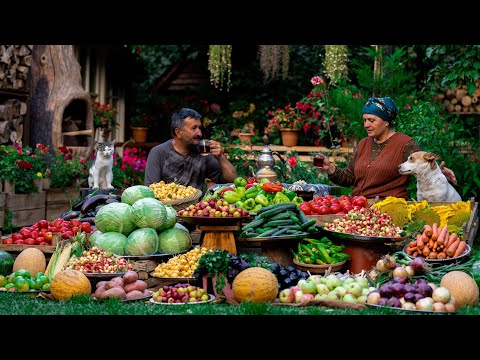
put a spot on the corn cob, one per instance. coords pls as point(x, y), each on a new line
point(62, 259)
point(52, 262)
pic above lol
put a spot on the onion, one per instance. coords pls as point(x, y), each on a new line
point(381, 266)
point(373, 297)
point(399, 279)
point(425, 304)
point(438, 306)
point(389, 262)
point(382, 301)
point(450, 307)
point(410, 270)
point(433, 286)
point(425, 290)
point(409, 306)
point(394, 302)
point(418, 296)
point(417, 264)
point(441, 294)
point(398, 290)
point(400, 271)
point(409, 297)
point(410, 288)
point(385, 291)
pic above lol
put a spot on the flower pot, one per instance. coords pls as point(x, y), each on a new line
point(38, 183)
point(46, 183)
point(290, 136)
point(245, 138)
point(139, 133)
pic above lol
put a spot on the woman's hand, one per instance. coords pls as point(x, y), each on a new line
point(327, 165)
point(449, 174)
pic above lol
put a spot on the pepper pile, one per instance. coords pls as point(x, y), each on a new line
point(319, 252)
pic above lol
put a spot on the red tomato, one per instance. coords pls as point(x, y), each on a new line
point(25, 232)
point(315, 208)
point(318, 199)
point(344, 197)
point(19, 241)
point(359, 201)
point(16, 236)
point(86, 227)
point(74, 230)
point(44, 243)
point(58, 223)
point(347, 208)
point(39, 239)
point(48, 236)
point(30, 241)
point(335, 201)
point(345, 202)
point(34, 234)
point(7, 241)
point(43, 224)
point(305, 207)
point(335, 208)
point(75, 222)
point(324, 210)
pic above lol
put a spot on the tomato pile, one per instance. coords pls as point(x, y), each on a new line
point(40, 233)
point(324, 205)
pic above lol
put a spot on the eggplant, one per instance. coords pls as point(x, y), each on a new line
point(93, 202)
point(89, 219)
point(78, 206)
point(111, 200)
point(69, 215)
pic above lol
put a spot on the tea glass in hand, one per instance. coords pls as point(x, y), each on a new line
point(204, 147)
point(318, 160)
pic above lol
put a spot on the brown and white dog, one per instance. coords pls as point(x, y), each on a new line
point(432, 185)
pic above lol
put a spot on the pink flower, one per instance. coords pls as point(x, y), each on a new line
point(317, 80)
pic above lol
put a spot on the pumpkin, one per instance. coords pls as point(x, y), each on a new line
point(68, 283)
point(255, 284)
point(462, 287)
point(32, 260)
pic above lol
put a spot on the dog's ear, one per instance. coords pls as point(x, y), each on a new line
point(432, 159)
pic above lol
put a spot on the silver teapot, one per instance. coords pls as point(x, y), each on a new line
point(265, 164)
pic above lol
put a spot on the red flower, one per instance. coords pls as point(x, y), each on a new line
point(292, 161)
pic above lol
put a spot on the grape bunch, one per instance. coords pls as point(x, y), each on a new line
point(287, 276)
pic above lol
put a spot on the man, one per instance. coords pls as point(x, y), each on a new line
point(179, 160)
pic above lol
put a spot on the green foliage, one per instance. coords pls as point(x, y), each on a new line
point(18, 166)
point(295, 169)
point(453, 65)
point(8, 224)
point(444, 135)
point(66, 169)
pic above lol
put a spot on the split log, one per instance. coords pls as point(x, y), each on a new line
point(457, 108)
point(454, 101)
point(460, 94)
point(450, 94)
point(476, 93)
point(474, 99)
point(6, 112)
point(466, 100)
point(55, 87)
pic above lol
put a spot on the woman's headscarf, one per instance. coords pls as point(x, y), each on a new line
point(384, 108)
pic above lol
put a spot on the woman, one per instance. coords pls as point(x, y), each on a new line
point(373, 167)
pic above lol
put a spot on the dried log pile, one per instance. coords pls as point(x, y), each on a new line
point(458, 100)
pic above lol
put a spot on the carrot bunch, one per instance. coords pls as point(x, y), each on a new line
point(436, 243)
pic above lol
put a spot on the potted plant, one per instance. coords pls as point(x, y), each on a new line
point(139, 124)
point(246, 134)
point(289, 121)
point(66, 170)
point(104, 118)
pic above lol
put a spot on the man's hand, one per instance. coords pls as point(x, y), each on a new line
point(449, 174)
point(215, 148)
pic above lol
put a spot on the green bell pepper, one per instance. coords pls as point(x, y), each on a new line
point(280, 198)
point(261, 199)
point(240, 191)
point(249, 204)
point(264, 180)
point(256, 208)
point(251, 193)
point(239, 204)
point(240, 182)
point(231, 197)
point(297, 200)
point(289, 193)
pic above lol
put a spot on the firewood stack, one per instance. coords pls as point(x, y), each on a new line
point(458, 100)
point(15, 63)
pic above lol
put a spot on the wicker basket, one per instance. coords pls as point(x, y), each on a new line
point(181, 204)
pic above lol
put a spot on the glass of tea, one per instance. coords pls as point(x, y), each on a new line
point(318, 160)
point(204, 147)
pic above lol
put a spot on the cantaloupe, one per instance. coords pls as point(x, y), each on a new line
point(68, 283)
point(255, 284)
point(30, 259)
point(462, 287)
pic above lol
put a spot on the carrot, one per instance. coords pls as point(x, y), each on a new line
point(441, 255)
point(426, 251)
point(415, 254)
point(452, 248)
point(441, 235)
point(419, 242)
point(435, 231)
point(413, 243)
point(427, 230)
point(430, 243)
point(451, 239)
point(432, 255)
point(460, 249)
point(409, 250)
point(435, 245)
point(425, 238)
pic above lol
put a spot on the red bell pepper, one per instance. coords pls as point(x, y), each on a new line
point(225, 190)
point(271, 187)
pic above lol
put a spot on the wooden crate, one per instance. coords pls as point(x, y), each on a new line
point(58, 201)
point(15, 249)
point(144, 268)
point(27, 209)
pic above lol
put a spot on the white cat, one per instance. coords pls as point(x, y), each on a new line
point(101, 173)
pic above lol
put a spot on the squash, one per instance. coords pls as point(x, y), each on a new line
point(68, 283)
point(255, 284)
point(462, 287)
point(32, 260)
point(6, 263)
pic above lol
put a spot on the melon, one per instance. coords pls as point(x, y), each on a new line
point(6, 263)
point(69, 283)
point(32, 260)
point(462, 287)
point(255, 284)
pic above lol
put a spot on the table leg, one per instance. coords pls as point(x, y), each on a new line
point(278, 251)
point(219, 240)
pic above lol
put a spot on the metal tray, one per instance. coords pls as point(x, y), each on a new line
point(151, 257)
point(102, 275)
point(319, 269)
point(361, 238)
point(210, 299)
point(176, 279)
point(412, 311)
point(465, 253)
point(215, 221)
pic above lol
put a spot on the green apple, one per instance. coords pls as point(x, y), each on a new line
point(365, 292)
point(315, 278)
point(348, 281)
point(309, 287)
point(333, 281)
point(322, 289)
point(298, 296)
point(362, 299)
point(340, 290)
point(332, 295)
point(363, 281)
point(321, 296)
point(287, 296)
point(300, 282)
point(349, 298)
point(354, 288)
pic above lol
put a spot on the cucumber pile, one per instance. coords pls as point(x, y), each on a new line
point(284, 219)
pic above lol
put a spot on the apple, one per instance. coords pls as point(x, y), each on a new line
point(294, 290)
point(315, 278)
point(350, 298)
point(363, 281)
point(362, 299)
point(340, 290)
point(332, 295)
point(333, 281)
point(286, 296)
point(309, 287)
point(322, 289)
point(365, 292)
point(307, 297)
point(348, 281)
point(323, 280)
point(298, 296)
point(320, 297)
point(300, 282)
point(373, 297)
point(354, 288)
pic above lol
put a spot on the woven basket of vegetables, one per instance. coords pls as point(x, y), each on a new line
point(181, 204)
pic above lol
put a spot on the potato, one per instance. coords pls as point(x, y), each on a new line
point(116, 292)
point(118, 280)
point(100, 283)
point(135, 294)
point(130, 276)
point(100, 290)
point(146, 292)
point(112, 284)
point(139, 285)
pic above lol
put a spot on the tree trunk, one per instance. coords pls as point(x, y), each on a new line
point(56, 94)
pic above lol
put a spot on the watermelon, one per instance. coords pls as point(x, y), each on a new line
point(6, 263)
